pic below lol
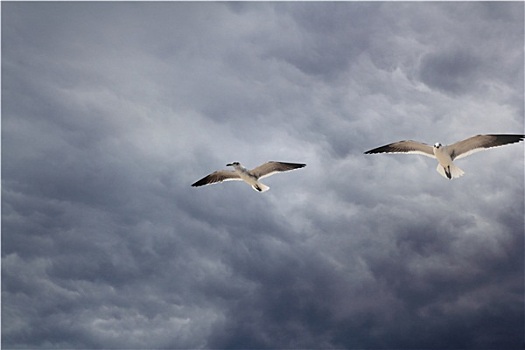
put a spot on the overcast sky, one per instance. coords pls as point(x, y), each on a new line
point(110, 111)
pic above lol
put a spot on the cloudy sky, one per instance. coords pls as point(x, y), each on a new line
point(110, 111)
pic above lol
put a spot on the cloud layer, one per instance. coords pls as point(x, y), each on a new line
point(111, 110)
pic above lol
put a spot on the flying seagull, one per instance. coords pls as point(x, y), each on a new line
point(446, 154)
point(251, 177)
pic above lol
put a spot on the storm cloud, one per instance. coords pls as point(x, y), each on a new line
point(111, 110)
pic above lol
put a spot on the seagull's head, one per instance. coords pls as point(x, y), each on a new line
point(437, 145)
point(234, 164)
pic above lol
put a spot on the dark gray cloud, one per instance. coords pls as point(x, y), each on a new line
point(450, 71)
point(111, 110)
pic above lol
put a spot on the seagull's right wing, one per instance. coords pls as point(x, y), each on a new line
point(270, 168)
point(407, 146)
point(481, 142)
point(218, 176)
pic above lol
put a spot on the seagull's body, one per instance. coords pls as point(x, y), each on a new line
point(251, 177)
point(445, 155)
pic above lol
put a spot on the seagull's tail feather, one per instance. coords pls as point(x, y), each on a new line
point(450, 172)
point(260, 187)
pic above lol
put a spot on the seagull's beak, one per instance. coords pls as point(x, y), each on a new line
point(229, 164)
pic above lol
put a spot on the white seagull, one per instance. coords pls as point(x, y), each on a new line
point(251, 177)
point(446, 154)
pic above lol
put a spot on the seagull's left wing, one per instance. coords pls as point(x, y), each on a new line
point(478, 143)
point(218, 176)
point(407, 146)
point(271, 168)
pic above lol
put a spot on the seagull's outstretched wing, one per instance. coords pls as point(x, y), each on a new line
point(407, 146)
point(218, 176)
point(479, 143)
point(270, 168)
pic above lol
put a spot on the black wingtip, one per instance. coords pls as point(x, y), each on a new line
point(504, 139)
point(294, 165)
point(199, 183)
point(382, 149)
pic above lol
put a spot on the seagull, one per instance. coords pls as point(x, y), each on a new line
point(446, 154)
point(251, 177)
